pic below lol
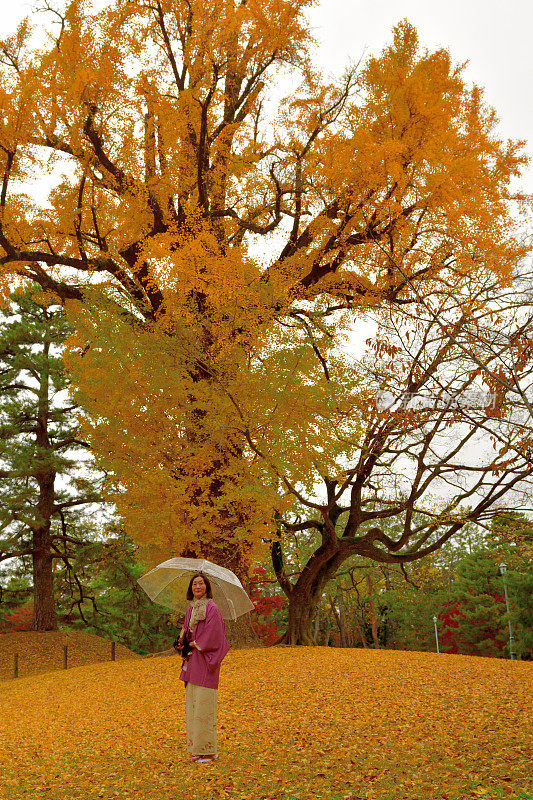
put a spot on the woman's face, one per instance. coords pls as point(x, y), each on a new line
point(198, 587)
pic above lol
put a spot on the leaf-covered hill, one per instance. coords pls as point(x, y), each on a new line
point(293, 724)
point(42, 651)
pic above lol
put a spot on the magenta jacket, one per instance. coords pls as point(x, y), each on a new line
point(202, 668)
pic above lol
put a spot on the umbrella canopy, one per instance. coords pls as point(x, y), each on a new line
point(167, 585)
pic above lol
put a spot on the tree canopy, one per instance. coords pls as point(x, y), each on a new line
point(389, 185)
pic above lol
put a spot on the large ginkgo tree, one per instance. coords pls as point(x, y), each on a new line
point(210, 243)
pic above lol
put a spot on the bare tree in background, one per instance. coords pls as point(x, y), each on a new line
point(447, 440)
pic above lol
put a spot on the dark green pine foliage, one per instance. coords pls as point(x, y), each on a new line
point(116, 607)
point(46, 476)
point(521, 590)
point(478, 594)
point(512, 536)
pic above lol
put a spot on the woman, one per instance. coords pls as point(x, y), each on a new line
point(205, 629)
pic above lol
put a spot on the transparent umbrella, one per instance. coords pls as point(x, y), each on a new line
point(167, 585)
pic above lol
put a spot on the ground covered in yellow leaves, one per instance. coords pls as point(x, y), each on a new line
point(293, 723)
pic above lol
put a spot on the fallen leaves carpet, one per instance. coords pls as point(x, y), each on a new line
point(292, 722)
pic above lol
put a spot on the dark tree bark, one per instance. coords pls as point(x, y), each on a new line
point(328, 629)
point(305, 595)
point(44, 615)
point(317, 624)
point(373, 616)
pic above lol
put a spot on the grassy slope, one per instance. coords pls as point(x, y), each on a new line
point(292, 723)
point(42, 651)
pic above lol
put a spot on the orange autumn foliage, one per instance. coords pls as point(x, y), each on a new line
point(201, 362)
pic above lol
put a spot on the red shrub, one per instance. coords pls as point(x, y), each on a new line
point(265, 605)
point(450, 619)
point(19, 620)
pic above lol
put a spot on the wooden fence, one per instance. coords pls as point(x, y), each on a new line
point(65, 659)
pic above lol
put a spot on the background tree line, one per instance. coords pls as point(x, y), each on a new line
point(385, 606)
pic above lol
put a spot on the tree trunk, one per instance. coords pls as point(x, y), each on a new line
point(372, 612)
point(305, 595)
point(240, 633)
point(44, 613)
point(328, 630)
point(298, 631)
point(338, 620)
point(317, 624)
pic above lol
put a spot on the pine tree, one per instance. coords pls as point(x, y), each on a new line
point(42, 477)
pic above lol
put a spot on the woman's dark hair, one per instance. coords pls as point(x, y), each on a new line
point(208, 592)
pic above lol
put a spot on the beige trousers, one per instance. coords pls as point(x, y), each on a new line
point(201, 720)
